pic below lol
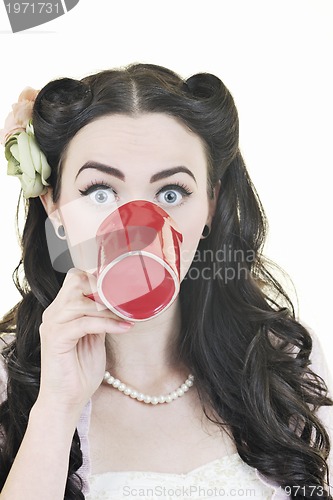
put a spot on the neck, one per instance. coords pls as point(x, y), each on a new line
point(143, 357)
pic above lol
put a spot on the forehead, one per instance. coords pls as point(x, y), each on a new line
point(151, 140)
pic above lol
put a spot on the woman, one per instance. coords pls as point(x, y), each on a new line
point(246, 412)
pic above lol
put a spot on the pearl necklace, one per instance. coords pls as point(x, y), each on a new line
point(144, 397)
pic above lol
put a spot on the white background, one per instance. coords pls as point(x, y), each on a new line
point(276, 59)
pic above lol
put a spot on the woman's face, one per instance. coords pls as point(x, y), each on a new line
point(120, 158)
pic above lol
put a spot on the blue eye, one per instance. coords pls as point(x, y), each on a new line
point(100, 194)
point(170, 197)
point(173, 194)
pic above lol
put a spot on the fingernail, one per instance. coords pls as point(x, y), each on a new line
point(125, 324)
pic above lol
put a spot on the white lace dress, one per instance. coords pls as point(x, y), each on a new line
point(226, 477)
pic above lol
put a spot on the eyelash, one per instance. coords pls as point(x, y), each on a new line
point(95, 185)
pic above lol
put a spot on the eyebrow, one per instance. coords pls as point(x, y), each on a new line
point(107, 169)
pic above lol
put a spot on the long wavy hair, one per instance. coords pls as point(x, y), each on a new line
point(239, 335)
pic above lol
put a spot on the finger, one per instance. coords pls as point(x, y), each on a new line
point(67, 308)
point(72, 301)
point(87, 325)
point(76, 286)
point(75, 313)
point(95, 298)
point(80, 280)
point(90, 302)
point(87, 284)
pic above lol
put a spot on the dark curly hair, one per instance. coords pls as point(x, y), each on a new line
point(239, 335)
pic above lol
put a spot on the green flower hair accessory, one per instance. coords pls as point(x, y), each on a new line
point(25, 158)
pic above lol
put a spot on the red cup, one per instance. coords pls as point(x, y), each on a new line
point(138, 274)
